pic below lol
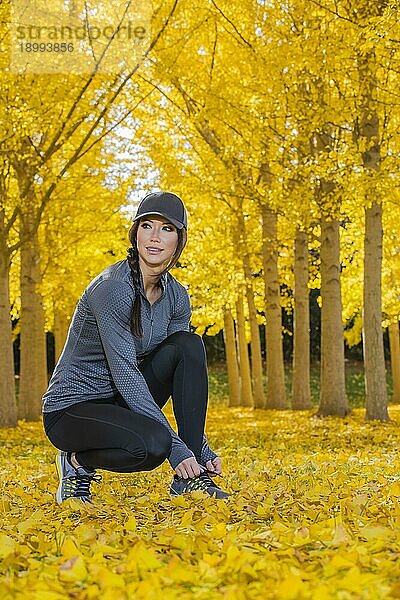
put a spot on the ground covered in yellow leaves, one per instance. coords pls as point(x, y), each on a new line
point(314, 514)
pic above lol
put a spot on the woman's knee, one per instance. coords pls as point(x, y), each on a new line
point(158, 446)
point(154, 454)
point(190, 343)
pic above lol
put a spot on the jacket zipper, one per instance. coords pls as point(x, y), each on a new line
point(151, 317)
point(151, 326)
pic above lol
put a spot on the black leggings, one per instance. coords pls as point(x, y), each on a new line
point(107, 434)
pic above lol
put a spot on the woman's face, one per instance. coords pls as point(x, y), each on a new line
point(157, 239)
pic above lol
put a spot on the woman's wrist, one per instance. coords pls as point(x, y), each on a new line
point(207, 454)
point(178, 454)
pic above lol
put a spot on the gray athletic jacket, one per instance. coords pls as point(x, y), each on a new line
point(101, 355)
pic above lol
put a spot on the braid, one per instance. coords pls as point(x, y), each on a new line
point(133, 261)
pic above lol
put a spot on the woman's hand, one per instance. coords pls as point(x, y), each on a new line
point(189, 468)
point(215, 465)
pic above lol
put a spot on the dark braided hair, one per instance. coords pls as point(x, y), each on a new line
point(133, 261)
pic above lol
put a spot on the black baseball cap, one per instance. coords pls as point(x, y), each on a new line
point(167, 205)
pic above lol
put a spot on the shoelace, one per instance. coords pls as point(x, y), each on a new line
point(213, 473)
point(79, 486)
point(201, 482)
point(206, 477)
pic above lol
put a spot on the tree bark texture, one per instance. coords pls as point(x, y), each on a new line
point(333, 400)
point(394, 341)
point(367, 129)
point(33, 357)
point(301, 393)
point(276, 392)
point(61, 326)
point(374, 358)
point(256, 357)
point(8, 405)
point(243, 352)
point(231, 358)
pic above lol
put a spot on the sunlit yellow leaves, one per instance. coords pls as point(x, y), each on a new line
point(73, 569)
point(31, 523)
point(105, 577)
point(373, 533)
point(291, 587)
point(142, 559)
point(7, 545)
point(341, 535)
point(315, 514)
point(131, 524)
point(69, 548)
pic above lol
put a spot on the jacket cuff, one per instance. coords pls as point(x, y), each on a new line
point(207, 454)
point(179, 452)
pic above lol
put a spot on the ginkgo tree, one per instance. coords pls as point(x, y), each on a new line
point(316, 90)
point(49, 124)
point(277, 124)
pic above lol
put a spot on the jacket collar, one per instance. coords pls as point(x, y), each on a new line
point(163, 284)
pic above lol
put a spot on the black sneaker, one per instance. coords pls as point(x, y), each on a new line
point(180, 485)
point(74, 482)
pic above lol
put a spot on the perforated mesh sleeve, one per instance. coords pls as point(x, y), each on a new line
point(183, 311)
point(111, 306)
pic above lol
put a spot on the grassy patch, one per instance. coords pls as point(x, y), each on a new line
point(219, 392)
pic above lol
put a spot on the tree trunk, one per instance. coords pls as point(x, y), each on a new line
point(61, 325)
point(394, 341)
point(276, 392)
point(374, 358)
point(8, 405)
point(231, 358)
point(33, 361)
point(367, 129)
point(256, 358)
point(243, 352)
point(301, 393)
point(333, 400)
